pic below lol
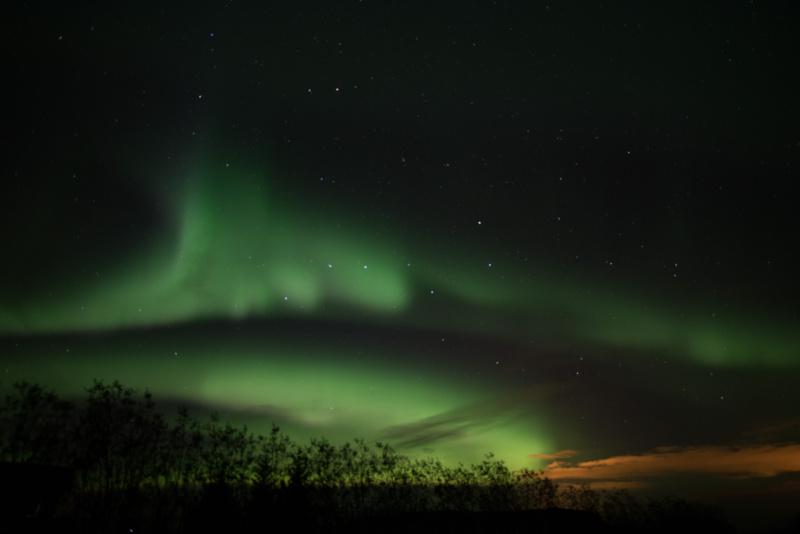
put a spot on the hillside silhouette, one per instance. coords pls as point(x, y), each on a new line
point(114, 462)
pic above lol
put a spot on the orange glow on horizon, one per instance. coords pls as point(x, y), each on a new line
point(744, 462)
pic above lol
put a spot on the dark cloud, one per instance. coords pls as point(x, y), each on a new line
point(456, 423)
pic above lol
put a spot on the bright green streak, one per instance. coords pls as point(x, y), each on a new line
point(236, 255)
point(238, 251)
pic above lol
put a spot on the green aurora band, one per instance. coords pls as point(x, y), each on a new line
point(237, 252)
point(308, 392)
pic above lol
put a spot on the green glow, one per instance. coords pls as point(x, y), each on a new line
point(239, 250)
point(700, 337)
point(235, 255)
point(330, 395)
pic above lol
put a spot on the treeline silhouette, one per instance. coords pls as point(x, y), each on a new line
point(113, 462)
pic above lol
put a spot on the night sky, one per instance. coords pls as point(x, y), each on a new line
point(562, 232)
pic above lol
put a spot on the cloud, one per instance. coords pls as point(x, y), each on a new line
point(459, 422)
point(744, 462)
point(452, 424)
point(567, 453)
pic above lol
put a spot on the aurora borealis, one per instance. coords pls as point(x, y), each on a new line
point(562, 234)
point(234, 255)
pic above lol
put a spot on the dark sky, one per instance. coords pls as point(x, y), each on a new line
point(564, 230)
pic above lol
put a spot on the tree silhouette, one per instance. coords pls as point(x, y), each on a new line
point(119, 438)
point(33, 422)
point(136, 468)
